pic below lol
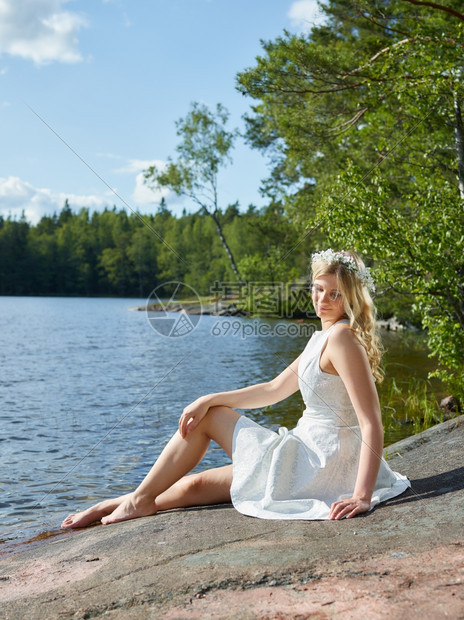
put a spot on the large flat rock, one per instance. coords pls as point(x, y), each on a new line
point(405, 558)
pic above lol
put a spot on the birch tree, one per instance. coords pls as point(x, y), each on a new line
point(205, 147)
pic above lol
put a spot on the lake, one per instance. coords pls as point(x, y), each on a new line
point(90, 391)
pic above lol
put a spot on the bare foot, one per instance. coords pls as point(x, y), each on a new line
point(93, 514)
point(131, 508)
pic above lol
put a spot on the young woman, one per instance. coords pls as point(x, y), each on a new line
point(329, 467)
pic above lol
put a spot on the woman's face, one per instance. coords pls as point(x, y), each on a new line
point(327, 301)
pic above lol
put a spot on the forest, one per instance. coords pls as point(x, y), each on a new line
point(361, 123)
point(115, 254)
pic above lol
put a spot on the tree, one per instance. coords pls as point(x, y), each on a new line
point(142, 252)
point(362, 119)
point(374, 74)
point(418, 248)
point(15, 260)
point(205, 146)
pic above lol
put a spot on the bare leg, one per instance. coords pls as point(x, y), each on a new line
point(202, 489)
point(178, 458)
point(209, 487)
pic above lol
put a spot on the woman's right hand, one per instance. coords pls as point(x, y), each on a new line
point(192, 415)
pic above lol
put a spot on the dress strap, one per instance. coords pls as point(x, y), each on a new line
point(326, 333)
point(336, 323)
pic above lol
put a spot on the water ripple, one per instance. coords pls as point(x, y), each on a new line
point(81, 419)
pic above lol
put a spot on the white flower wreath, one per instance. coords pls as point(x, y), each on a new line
point(330, 257)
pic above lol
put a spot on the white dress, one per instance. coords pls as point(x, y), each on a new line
point(298, 474)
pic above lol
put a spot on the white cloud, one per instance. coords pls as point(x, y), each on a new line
point(132, 166)
point(143, 194)
point(304, 14)
point(17, 196)
point(109, 156)
point(40, 30)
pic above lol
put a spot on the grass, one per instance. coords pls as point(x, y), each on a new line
point(413, 404)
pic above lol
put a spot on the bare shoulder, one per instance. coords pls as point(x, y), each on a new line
point(342, 336)
point(342, 332)
point(347, 355)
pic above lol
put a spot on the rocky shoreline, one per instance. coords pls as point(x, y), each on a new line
point(404, 559)
point(220, 308)
point(214, 308)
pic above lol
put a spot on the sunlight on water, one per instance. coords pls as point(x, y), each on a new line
point(90, 392)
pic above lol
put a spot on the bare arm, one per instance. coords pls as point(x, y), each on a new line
point(251, 397)
point(349, 359)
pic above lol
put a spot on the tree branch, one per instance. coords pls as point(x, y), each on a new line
point(439, 7)
point(391, 47)
point(375, 56)
point(392, 287)
point(383, 26)
point(459, 141)
point(342, 127)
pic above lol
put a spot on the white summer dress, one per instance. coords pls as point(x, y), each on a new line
point(298, 474)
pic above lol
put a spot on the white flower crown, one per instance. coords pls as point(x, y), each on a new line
point(330, 257)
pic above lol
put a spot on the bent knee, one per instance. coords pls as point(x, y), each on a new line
point(218, 413)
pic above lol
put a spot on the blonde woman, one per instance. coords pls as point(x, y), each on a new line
point(329, 467)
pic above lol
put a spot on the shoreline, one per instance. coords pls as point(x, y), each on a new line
point(405, 557)
point(42, 538)
point(218, 308)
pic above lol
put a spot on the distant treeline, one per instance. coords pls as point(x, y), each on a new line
point(112, 253)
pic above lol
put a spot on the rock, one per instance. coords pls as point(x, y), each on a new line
point(394, 324)
point(231, 310)
point(213, 562)
point(391, 325)
point(450, 404)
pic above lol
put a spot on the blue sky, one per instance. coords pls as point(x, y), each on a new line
point(111, 77)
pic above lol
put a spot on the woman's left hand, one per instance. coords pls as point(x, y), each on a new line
point(348, 508)
point(192, 415)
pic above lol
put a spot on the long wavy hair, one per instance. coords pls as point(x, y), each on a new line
point(358, 305)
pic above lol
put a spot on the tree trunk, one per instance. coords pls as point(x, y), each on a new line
point(226, 245)
point(459, 139)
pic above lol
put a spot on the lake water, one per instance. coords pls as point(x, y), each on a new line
point(90, 392)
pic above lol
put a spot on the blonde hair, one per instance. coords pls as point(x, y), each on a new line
point(358, 304)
